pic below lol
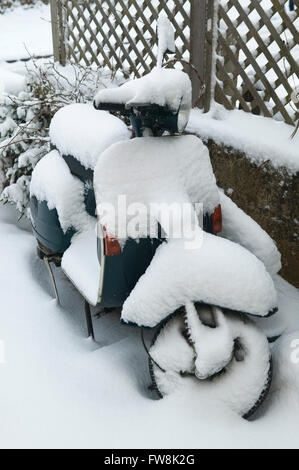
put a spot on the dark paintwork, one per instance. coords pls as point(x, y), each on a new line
point(47, 228)
point(121, 272)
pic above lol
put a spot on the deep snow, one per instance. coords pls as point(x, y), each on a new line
point(24, 32)
point(59, 389)
point(259, 137)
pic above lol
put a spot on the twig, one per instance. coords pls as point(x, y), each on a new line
point(202, 85)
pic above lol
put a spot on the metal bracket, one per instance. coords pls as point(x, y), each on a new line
point(47, 263)
point(88, 320)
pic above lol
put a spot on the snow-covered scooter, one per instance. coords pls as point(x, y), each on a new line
point(112, 211)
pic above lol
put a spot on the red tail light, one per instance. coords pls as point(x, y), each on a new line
point(112, 246)
point(217, 220)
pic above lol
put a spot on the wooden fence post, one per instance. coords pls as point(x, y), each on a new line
point(198, 22)
point(58, 31)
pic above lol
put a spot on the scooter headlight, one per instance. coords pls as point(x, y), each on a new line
point(183, 117)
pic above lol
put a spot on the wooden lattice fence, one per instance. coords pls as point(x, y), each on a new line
point(251, 63)
point(257, 66)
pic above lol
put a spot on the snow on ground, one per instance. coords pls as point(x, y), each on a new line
point(25, 28)
point(24, 32)
point(58, 389)
point(259, 137)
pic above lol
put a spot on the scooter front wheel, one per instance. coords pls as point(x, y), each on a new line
point(242, 384)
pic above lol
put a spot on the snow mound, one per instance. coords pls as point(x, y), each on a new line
point(80, 264)
point(53, 182)
point(241, 228)
point(164, 170)
point(10, 82)
point(259, 137)
point(26, 32)
point(83, 132)
point(163, 87)
point(220, 272)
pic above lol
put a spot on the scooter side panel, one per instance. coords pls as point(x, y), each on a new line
point(46, 227)
point(121, 272)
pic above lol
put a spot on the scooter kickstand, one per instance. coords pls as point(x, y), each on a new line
point(46, 261)
point(88, 320)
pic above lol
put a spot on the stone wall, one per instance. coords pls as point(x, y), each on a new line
point(268, 195)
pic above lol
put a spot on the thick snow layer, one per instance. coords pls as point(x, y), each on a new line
point(80, 264)
point(241, 228)
point(164, 87)
point(58, 389)
point(163, 169)
point(11, 82)
point(26, 31)
point(80, 130)
point(166, 40)
point(239, 387)
point(53, 182)
point(220, 272)
point(259, 137)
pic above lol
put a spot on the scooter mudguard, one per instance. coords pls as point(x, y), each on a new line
point(219, 272)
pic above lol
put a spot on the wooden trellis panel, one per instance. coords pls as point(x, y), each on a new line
point(121, 34)
point(257, 63)
point(257, 46)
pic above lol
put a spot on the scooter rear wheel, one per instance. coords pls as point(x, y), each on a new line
point(243, 384)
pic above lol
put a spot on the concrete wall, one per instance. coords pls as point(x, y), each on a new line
point(268, 195)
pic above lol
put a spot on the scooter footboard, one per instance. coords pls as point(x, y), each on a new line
point(219, 272)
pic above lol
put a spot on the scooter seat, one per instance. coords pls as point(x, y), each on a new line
point(79, 131)
point(151, 91)
point(80, 264)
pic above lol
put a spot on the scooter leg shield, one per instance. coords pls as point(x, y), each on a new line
point(219, 272)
